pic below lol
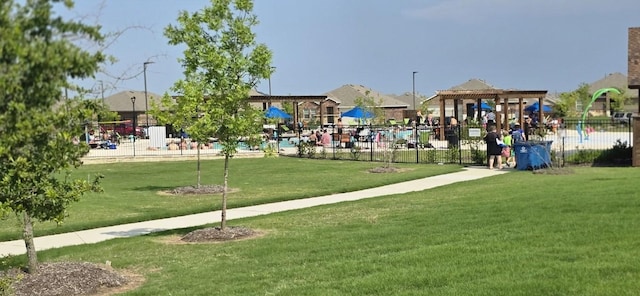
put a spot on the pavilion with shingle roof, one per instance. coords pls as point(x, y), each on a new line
point(500, 97)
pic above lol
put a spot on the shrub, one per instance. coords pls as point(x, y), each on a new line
point(620, 154)
point(355, 152)
point(270, 150)
point(429, 156)
point(583, 156)
point(453, 155)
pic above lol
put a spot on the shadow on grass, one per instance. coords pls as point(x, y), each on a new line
point(154, 188)
point(180, 231)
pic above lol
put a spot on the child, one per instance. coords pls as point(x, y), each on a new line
point(506, 138)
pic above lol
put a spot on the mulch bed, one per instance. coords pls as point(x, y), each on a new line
point(215, 234)
point(66, 278)
point(203, 189)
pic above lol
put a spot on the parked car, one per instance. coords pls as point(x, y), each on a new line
point(622, 117)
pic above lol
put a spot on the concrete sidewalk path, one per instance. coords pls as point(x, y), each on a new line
point(90, 236)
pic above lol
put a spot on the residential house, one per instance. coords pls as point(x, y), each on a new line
point(344, 99)
point(602, 105)
point(123, 104)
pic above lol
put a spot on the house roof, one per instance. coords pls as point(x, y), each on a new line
point(121, 102)
point(346, 96)
point(407, 98)
point(616, 80)
point(473, 84)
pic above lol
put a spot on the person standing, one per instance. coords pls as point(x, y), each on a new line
point(419, 118)
point(432, 125)
point(491, 118)
point(494, 150)
point(509, 157)
point(339, 126)
point(528, 127)
point(325, 140)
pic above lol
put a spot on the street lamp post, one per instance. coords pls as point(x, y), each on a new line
point(272, 69)
point(133, 136)
point(414, 89)
point(102, 90)
point(146, 100)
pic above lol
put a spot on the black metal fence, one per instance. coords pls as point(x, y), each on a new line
point(571, 142)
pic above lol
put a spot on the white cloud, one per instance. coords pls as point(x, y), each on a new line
point(479, 10)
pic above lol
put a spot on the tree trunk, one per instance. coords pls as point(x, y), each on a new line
point(198, 167)
point(27, 235)
point(223, 223)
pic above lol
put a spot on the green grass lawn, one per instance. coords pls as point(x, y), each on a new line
point(131, 189)
point(573, 234)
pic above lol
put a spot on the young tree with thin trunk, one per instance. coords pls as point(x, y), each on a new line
point(224, 60)
point(37, 126)
point(185, 113)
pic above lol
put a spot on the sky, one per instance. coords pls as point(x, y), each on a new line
point(318, 46)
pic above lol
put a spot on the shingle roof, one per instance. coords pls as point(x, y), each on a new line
point(347, 94)
point(121, 102)
point(616, 80)
point(473, 84)
point(407, 98)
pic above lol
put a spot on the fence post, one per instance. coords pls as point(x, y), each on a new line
point(415, 140)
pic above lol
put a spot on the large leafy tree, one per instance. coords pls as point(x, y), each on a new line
point(37, 127)
point(224, 61)
point(570, 103)
point(619, 100)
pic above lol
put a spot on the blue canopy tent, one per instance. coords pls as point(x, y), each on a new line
point(357, 112)
point(535, 107)
point(483, 105)
point(274, 112)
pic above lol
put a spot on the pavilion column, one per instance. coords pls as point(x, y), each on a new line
point(441, 125)
point(479, 110)
point(496, 102)
point(505, 111)
point(520, 112)
point(540, 111)
point(321, 115)
point(455, 108)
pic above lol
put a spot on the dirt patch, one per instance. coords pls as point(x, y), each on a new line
point(73, 278)
point(215, 234)
point(193, 190)
point(384, 170)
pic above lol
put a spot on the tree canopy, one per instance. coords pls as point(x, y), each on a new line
point(38, 127)
point(222, 62)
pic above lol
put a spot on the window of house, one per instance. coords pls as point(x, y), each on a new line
point(330, 115)
point(308, 114)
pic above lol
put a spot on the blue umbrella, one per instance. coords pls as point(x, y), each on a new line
point(357, 112)
point(483, 105)
point(535, 107)
point(274, 112)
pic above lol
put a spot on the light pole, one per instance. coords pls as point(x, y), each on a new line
point(414, 89)
point(102, 90)
point(133, 137)
point(271, 72)
point(146, 100)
